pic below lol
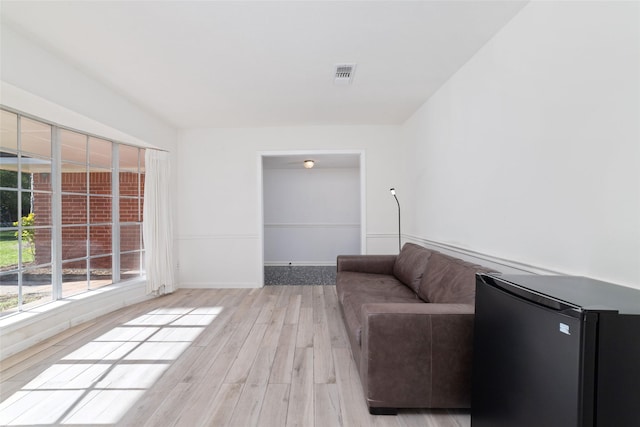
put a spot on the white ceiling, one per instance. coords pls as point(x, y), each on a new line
point(265, 63)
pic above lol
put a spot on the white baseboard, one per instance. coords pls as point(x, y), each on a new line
point(300, 264)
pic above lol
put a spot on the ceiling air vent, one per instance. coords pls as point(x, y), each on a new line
point(344, 73)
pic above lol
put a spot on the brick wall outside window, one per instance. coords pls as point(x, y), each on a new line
point(74, 212)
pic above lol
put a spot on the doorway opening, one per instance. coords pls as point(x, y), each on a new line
point(310, 215)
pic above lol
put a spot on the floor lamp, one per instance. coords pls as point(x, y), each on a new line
point(393, 193)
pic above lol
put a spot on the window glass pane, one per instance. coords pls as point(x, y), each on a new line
point(42, 246)
point(129, 184)
point(74, 178)
point(26, 183)
point(36, 287)
point(34, 164)
point(129, 210)
point(8, 249)
point(128, 160)
point(142, 177)
point(73, 146)
point(130, 238)
point(28, 247)
point(100, 152)
point(35, 137)
point(8, 293)
point(130, 265)
point(100, 272)
point(27, 203)
point(100, 209)
point(8, 207)
point(74, 277)
point(9, 130)
point(74, 209)
point(99, 181)
point(8, 170)
point(74, 242)
point(41, 209)
point(100, 240)
point(141, 158)
point(41, 180)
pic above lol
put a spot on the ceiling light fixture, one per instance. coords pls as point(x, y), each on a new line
point(309, 164)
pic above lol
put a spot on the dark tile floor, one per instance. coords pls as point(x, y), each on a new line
point(300, 275)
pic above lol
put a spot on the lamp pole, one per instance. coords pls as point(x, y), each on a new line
point(393, 193)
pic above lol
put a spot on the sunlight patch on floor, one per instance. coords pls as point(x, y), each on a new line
point(100, 381)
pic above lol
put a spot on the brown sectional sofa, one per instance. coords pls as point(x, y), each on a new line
point(409, 318)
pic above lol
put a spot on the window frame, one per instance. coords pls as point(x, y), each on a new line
point(56, 223)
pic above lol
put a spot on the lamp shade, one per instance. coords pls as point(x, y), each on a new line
point(309, 164)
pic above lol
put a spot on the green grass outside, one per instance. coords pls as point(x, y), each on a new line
point(9, 250)
point(8, 302)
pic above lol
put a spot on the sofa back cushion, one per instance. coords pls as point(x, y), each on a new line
point(449, 280)
point(411, 265)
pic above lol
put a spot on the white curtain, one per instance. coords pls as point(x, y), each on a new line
point(158, 224)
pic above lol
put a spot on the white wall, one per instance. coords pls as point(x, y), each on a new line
point(531, 152)
point(220, 217)
point(310, 215)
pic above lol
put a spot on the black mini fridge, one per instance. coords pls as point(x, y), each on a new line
point(555, 351)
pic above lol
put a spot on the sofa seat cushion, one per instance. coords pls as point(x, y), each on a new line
point(352, 308)
point(449, 280)
point(351, 282)
point(411, 264)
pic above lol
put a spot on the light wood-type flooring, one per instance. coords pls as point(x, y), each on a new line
point(276, 356)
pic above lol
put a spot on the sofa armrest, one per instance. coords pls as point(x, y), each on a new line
point(374, 264)
point(417, 355)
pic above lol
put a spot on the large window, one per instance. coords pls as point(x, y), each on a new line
point(70, 212)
